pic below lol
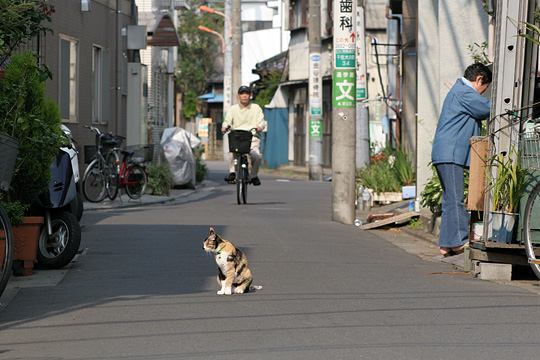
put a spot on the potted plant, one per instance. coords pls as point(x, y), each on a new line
point(508, 181)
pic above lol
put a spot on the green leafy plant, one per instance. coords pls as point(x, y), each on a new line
point(431, 196)
point(388, 172)
point(15, 211)
point(267, 88)
point(159, 178)
point(478, 52)
point(197, 54)
point(509, 183)
point(31, 119)
point(20, 21)
point(416, 224)
point(201, 171)
point(404, 168)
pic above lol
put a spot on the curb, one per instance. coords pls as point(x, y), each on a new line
point(148, 200)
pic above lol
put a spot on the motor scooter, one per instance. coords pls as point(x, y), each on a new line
point(62, 208)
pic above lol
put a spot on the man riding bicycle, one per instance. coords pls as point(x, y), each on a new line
point(246, 116)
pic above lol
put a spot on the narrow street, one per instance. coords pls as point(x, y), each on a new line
point(144, 289)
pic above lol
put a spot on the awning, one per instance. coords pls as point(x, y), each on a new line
point(212, 97)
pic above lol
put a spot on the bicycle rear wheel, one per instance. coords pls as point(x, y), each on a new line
point(245, 181)
point(239, 179)
point(94, 182)
point(6, 250)
point(113, 177)
point(136, 180)
point(531, 232)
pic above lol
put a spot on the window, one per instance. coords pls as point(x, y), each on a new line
point(97, 84)
point(67, 78)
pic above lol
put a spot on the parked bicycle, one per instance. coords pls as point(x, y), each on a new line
point(530, 157)
point(100, 176)
point(240, 145)
point(527, 135)
point(6, 249)
point(129, 173)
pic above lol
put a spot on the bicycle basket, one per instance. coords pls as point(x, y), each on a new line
point(530, 150)
point(144, 153)
point(240, 141)
point(111, 141)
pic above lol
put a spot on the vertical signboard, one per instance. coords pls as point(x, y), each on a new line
point(315, 96)
point(361, 86)
point(344, 73)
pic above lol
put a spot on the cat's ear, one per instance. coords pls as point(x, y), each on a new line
point(211, 231)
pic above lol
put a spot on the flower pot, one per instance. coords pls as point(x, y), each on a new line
point(502, 226)
point(25, 244)
point(9, 148)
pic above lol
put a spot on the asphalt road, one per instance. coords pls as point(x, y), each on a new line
point(144, 289)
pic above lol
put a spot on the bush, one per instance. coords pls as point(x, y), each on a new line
point(201, 171)
point(14, 210)
point(159, 178)
point(31, 119)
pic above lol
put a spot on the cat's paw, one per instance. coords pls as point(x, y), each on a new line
point(221, 292)
point(238, 290)
point(228, 291)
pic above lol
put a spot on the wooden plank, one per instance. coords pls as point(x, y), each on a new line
point(391, 220)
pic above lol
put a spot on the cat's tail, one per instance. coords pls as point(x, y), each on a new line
point(254, 288)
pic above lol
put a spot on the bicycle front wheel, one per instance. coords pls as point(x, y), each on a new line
point(94, 182)
point(136, 180)
point(531, 231)
point(245, 182)
point(113, 177)
point(6, 250)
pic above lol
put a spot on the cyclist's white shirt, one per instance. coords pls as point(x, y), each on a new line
point(245, 118)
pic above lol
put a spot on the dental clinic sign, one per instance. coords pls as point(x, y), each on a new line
point(344, 73)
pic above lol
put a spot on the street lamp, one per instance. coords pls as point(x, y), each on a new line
point(210, 10)
point(204, 28)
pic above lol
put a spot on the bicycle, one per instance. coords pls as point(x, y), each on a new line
point(99, 174)
point(6, 249)
point(130, 174)
point(530, 157)
point(240, 145)
point(528, 140)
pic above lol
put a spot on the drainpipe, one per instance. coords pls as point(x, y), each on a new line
point(117, 69)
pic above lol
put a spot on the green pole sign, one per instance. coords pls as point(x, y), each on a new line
point(344, 88)
point(315, 129)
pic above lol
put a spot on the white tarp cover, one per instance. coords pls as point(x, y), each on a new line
point(177, 145)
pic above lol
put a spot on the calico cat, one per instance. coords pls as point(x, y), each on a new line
point(233, 271)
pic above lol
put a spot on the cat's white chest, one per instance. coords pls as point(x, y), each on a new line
point(221, 261)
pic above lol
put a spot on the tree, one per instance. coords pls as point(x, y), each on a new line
point(197, 55)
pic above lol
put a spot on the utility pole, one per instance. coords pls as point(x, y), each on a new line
point(344, 112)
point(315, 91)
point(362, 115)
point(236, 20)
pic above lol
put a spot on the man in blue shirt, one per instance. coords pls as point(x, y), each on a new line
point(463, 110)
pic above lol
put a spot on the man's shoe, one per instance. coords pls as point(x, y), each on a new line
point(255, 181)
point(231, 177)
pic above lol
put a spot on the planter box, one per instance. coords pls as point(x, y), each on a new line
point(25, 244)
point(387, 197)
